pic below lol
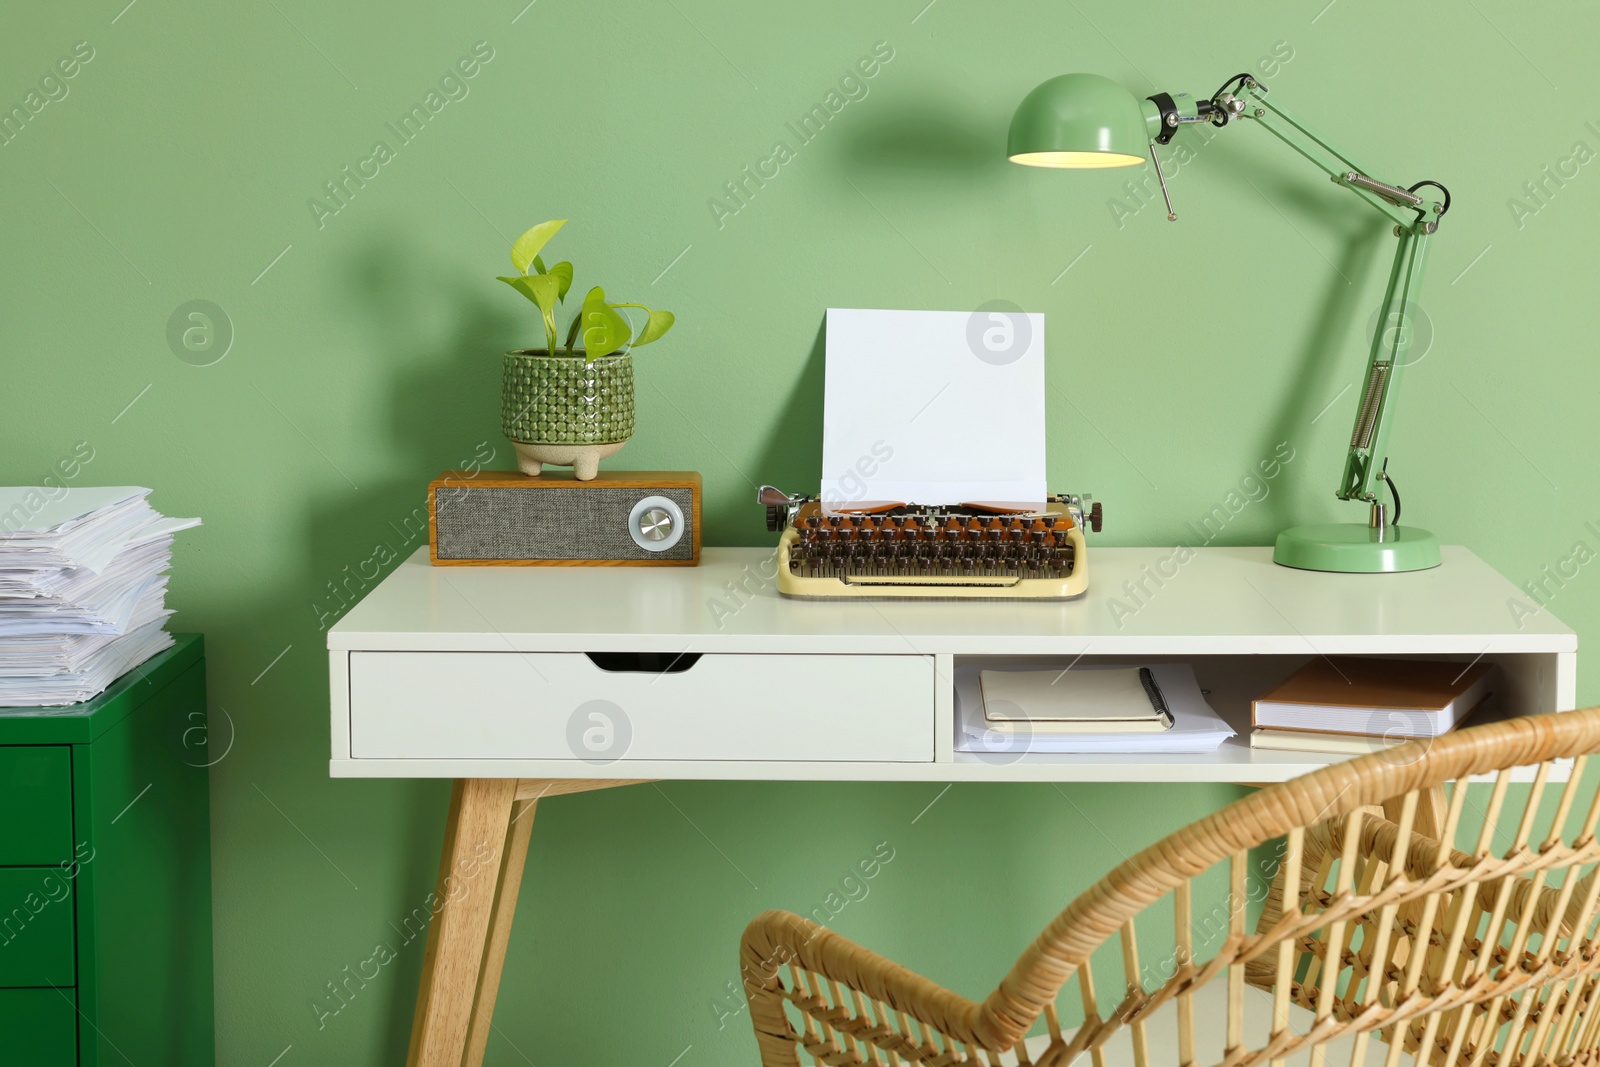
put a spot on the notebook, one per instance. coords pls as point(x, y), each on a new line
point(1112, 701)
point(1196, 727)
point(1328, 744)
point(1374, 697)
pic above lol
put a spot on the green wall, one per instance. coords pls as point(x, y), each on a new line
point(180, 163)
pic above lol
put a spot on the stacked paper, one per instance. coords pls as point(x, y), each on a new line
point(82, 590)
point(1195, 726)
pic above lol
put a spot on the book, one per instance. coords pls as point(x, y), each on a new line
point(1312, 741)
point(1196, 727)
point(1380, 698)
point(1118, 700)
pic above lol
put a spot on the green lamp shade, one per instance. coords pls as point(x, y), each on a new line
point(1078, 120)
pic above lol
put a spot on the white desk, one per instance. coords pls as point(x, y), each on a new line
point(482, 675)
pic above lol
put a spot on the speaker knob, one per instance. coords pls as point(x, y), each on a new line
point(656, 523)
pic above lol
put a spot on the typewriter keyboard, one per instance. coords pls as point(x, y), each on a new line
point(909, 542)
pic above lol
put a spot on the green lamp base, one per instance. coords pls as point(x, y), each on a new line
point(1356, 548)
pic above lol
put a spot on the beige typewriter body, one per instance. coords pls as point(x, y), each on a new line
point(1008, 555)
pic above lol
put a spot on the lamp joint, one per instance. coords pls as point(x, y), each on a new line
point(1393, 193)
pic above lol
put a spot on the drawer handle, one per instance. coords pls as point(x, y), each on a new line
point(644, 662)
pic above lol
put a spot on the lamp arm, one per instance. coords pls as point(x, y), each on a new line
point(1386, 363)
point(1416, 220)
point(1397, 203)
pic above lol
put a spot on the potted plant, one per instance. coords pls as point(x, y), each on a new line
point(572, 404)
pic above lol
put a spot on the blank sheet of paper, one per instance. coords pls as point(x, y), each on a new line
point(933, 407)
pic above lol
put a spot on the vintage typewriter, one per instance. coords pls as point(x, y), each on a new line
point(907, 550)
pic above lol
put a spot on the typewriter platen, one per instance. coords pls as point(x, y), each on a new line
point(907, 550)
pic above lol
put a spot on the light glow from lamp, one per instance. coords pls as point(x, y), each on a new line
point(1076, 160)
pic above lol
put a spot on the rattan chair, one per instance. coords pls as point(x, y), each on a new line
point(1456, 932)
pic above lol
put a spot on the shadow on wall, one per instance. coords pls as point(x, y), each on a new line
point(940, 142)
point(1319, 372)
point(434, 346)
point(427, 355)
point(791, 458)
point(430, 348)
point(445, 342)
point(937, 140)
point(444, 413)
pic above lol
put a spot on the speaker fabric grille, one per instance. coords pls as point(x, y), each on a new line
point(570, 522)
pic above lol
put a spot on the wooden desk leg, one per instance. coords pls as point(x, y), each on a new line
point(1431, 808)
point(477, 841)
point(480, 874)
point(505, 908)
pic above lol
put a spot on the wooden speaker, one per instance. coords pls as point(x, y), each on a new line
point(621, 518)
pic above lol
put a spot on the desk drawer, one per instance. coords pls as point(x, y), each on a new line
point(36, 804)
point(36, 928)
point(564, 706)
point(39, 1027)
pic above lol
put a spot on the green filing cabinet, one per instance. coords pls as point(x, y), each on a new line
point(105, 874)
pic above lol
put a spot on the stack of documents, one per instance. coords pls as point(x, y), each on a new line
point(1195, 727)
point(82, 590)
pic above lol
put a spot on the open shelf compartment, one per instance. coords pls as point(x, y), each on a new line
point(1523, 683)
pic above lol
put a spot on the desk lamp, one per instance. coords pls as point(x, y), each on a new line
point(1085, 121)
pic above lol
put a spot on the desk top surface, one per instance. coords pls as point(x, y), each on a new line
point(1140, 601)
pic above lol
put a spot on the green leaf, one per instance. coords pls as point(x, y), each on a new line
point(542, 290)
point(604, 331)
point(528, 244)
point(660, 322)
point(562, 270)
point(522, 283)
point(546, 288)
point(657, 325)
point(538, 265)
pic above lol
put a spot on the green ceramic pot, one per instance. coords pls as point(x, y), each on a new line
point(563, 409)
